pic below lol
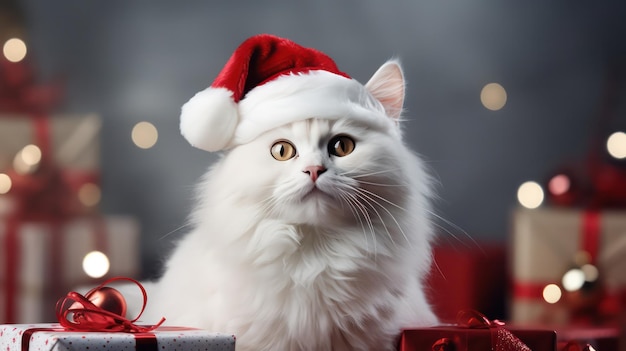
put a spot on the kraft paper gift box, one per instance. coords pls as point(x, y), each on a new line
point(72, 140)
point(41, 260)
point(546, 244)
point(52, 337)
point(66, 157)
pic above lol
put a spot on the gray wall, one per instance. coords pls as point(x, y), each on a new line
point(141, 60)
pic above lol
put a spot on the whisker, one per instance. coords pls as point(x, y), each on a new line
point(354, 211)
point(382, 185)
point(174, 231)
point(356, 176)
point(448, 231)
point(388, 212)
point(354, 200)
point(382, 221)
point(382, 198)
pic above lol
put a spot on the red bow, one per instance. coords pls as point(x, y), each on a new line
point(78, 312)
point(501, 339)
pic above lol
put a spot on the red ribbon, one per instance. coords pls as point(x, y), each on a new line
point(575, 346)
point(90, 317)
point(590, 236)
point(143, 341)
point(19, 91)
point(501, 338)
point(49, 195)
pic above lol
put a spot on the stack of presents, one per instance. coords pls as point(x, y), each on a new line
point(50, 223)
point(560, 284)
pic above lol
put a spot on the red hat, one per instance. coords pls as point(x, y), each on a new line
point(267, 82)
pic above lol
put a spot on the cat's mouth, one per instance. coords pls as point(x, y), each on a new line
point(314, 192)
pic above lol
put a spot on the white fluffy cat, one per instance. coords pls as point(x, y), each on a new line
point(315, 235)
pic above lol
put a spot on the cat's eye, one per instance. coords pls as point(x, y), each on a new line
point(341, 145)
point(283, 150)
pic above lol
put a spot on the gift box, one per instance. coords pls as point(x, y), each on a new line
point(53, 337)
point(568, 266)
point(444, 338)
point(52, 163)
point(600, 338)
point(41, 259)
point(468, 275)
point(72, 140)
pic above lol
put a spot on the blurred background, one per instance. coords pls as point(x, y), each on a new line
point(559, 94)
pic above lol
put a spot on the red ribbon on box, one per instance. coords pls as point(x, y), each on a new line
point(19, 91)
point(457, 337)
point(145, 341)
point(102, 309)
point(606, 303)
point(501, 338)
point(44, 196)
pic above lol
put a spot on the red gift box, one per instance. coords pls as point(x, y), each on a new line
point(464, 339)
point(600, 338)
point(468, 275)
point(474, 332)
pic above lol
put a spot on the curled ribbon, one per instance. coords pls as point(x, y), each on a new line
point(77, 312)
point(501, 338)
point(475, 319)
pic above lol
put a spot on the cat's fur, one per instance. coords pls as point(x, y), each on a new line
point(286, 263)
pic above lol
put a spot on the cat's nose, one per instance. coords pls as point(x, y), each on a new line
point(314, 171)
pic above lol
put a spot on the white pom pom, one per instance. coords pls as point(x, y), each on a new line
point(209, 119)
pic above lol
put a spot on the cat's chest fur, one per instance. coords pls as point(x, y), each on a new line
point(311, 283)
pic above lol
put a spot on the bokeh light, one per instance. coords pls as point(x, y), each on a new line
point(31, 154)
point(144, 135)
point(5, 183)
point(530, 195)
point(591, 272)
point(493, 96)
point(559, 184)
point(573, 280)
point(616, 145)
point(14, 50)
point(27, 160)
point(89, 194)
point(96, 264)
point(552, 293)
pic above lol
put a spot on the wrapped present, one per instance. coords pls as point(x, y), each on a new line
point(70, 142)
point(39, 259)
point(51, 162)
point(20, 91)
point(18, 337)
point(474, 332)
point(468, 275)
point(568, 266)
point(571, 338)
point(97, 320)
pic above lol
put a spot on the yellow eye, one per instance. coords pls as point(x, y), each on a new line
point(341, 145)
point(283, 150)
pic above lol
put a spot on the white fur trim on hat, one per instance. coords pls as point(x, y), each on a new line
point(209, 119)
point(316, 94)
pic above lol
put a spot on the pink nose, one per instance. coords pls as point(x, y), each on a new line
point(314, 171)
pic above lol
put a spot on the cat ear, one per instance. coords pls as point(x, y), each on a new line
point(387, 85)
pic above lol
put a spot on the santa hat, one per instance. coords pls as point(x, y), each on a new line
point(268, 82)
